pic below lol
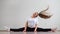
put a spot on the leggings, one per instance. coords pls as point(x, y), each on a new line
point(30, 29)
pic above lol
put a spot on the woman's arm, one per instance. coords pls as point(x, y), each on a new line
point(25, 26)
point(35, 28)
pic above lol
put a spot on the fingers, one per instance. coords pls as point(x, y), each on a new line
point(35, 31)
point(24, 30)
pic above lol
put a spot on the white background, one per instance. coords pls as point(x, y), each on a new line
point(14, 13)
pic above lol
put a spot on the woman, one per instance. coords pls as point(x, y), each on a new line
point(31, 24)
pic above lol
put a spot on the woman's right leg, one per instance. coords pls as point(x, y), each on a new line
point(16, 30)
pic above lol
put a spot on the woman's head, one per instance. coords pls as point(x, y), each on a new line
point(35, 14)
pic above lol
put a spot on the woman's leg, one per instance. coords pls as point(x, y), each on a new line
point(44, 30)
point(16, 30)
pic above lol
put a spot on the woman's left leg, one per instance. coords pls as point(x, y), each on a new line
point(44, 30)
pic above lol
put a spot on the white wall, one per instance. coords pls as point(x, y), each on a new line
point(14, 13)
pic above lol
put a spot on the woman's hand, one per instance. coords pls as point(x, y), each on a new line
point(35, 30)
point(25, 27)
point(24, 30)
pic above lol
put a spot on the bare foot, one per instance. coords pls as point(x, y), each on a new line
point(54, 30)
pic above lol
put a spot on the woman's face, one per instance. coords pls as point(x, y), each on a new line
point(35, 14)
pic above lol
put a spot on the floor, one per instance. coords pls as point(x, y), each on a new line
point(29, 32)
